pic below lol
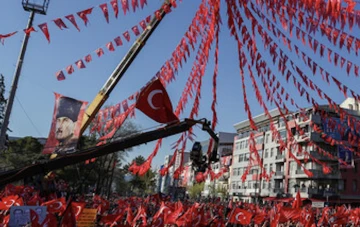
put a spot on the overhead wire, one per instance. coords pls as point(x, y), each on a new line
point(28, 117)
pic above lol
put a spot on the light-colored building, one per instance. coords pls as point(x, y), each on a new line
point(287, 175)
point(219, 187)
point(168, 179)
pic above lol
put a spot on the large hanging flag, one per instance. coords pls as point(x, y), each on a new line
point(65, 127)
point(155, 103)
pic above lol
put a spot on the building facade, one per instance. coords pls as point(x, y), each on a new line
point(168, 181)
point(287, 176)
point(220, 187)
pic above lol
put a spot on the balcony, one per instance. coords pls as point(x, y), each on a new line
point(280, 158)
point(319, 174)
point(279, 175)
point(318, 156)
point(299, 171)
point(315, 137)
point(278, 190)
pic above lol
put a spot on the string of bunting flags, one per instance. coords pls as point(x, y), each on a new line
point(83, 15)
point(272, 22)
point(110, 46)
point(274, 90)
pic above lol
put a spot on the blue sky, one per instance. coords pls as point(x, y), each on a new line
point(43, 60)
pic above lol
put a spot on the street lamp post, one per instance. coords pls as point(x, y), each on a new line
point(33, 6)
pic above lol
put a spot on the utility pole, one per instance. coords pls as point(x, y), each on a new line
point(32, 7)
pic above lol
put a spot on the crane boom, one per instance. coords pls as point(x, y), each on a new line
point(120, 70)
point(94, 152)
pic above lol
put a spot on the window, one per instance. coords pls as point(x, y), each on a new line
point(266, 153)
point(351, 107)
point(269, 185)
point(354, 185)
point(247, 157)
point(241, 158)
point(356, 107)
point(259, 140)
point(249, 184)
point(267, 138)
point(265, 167)
point(264, 184)
point(282, 134)
point(271, 168)
point(271, 152)
point(246, 143)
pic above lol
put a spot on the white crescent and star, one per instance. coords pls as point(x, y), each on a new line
point(159, 222)
point(59, 205)
point(150, 98)
point(78, 210)
point(237, 216)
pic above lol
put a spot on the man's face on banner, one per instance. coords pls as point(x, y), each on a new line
point(64, 128)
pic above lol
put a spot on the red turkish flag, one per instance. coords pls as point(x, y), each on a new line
point(125, 6)
point(83, 15)
point(70, 69)
point(115, 6)
point(155, 103)
point(88, 58)
point(3, 37)
point(148, 19)
point(9, 201)
point(34, 217)
point(142, 3)
point(135, 29)
point(69, 219)
point(60, 23)
point(50, 220)
point(118, 41)
point(99, 52)
point(71, 18)
point(80, 64)
point(143, 24)
point(104, 8)
point(158, 14)
point(77, 208)
point(126, 35)
point(240, 216)
point(55, 205)
point(110, 46)
point(60, 76)
point(29, 30)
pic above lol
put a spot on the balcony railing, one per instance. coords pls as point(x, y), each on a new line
point(299, 171)
point(278, 190)
point(279, 173)
point(280, 156)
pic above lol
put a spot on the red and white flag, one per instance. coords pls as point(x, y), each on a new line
point(155, 103)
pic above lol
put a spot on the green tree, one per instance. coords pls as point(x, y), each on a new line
point(22, 152)
point(102, 173)
point(195, 190)
point(140, 185)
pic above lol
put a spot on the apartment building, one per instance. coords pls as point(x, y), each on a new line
point(168, 179)
point(220, 187)
point(287, 176)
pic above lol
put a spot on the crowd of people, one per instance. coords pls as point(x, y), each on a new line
point(159, 210)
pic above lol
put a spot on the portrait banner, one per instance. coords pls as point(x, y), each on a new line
point(21, 215)
point(65, 127)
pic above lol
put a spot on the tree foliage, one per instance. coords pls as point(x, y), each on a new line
point(195, 190)
point(22, 152)
point(139, 185)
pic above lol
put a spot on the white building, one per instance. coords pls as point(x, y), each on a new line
point(288, 176)
point(168, 179)
point(220, 186)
